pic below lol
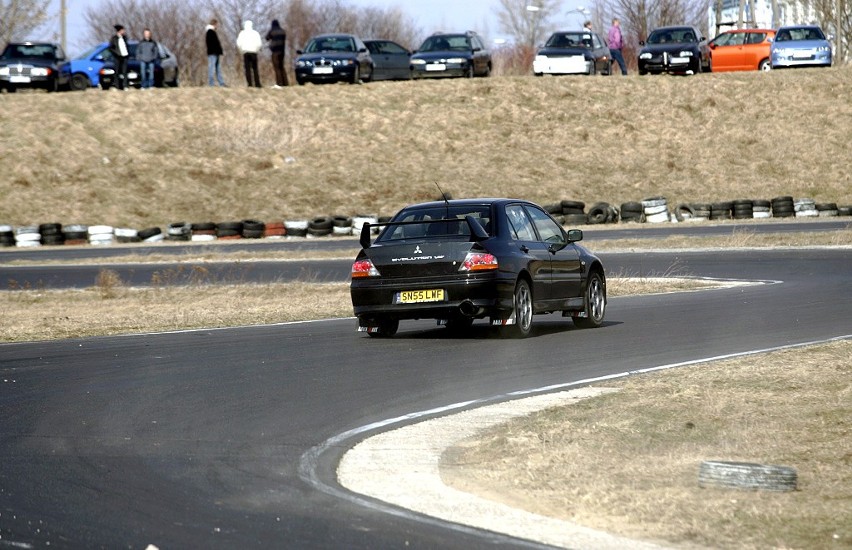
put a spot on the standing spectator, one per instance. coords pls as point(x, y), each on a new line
point(587, 26)
point(249, 44)
point(277, 38)
point(120, 53)
point(214, 54)
point(616, 42)
point(148, 54)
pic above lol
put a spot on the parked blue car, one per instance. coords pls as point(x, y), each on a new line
point(84, 71)
point(800, 46)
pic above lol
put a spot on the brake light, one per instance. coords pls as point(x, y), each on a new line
point(479, 261)
point(364, 268)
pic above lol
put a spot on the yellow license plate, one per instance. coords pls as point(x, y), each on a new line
point(420, 296)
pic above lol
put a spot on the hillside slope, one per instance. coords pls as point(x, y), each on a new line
point(149, 158)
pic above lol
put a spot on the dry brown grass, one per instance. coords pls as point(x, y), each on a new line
point(738, 239)
point(111, 307)
point(217, 154)
point(628, 462)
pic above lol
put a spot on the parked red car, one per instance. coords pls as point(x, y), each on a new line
point(741, 50)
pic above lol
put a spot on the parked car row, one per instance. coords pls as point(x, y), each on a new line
point(347, 58)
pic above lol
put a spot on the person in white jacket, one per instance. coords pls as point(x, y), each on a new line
point(249, 43)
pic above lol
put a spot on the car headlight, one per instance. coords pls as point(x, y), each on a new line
point(418, 62)
point(4, 71)
point(40, 71)
point(541, 58)
point(780, 51)
point(456, 60)
point(685, 54)
point(107, 71)
point(645, 55)
point(823, 49)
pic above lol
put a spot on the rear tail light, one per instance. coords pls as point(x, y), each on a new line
point(479, 261)
point(364, 268)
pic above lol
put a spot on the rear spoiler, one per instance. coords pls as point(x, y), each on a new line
point(477, 232)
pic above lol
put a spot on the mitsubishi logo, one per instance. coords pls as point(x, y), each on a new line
point(417, 250)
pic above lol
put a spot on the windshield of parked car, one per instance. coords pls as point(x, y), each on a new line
point(676, 36)
point(29, 51)
point(792, 35)
point(446, 42)
point(446, 229)
point(331, 44)
point(570, 40)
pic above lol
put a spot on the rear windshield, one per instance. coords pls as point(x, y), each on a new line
point(448, 229)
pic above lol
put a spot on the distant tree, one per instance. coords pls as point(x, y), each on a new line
point(640, 17)
point(20, 17)
point(528, 22)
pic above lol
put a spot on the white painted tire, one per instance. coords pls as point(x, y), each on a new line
point(101, 230)
point(651, 210)
point(807, 213)
point(341, 230)
point(28, 237)
point(154, 238)
point(5, 229)
point(202, 238)
point(762, 214)
point(656, 201)
point(126, 232)
point(27, 244)
point(657, 218)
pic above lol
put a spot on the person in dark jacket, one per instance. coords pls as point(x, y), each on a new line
point(277, 38)
point(214, 54)
point(120, 53)
point(148, 55)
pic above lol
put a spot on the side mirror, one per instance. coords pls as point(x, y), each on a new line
point(575, 235)
point(641, 42)
point(362, 50)
point(299, 52)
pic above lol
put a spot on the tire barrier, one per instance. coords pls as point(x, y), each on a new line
point(127, 235)
point(179, 231)
point(296, 228)
point(274, 230)
point(656, 210)
point(783, 207)
point(7, 236)
point(570, 213)
point(825, 210)
point(805, 208)
point(51, 234)
point(743, 209)
point(101, 235)
point(632, 212)
point(253, 229)
point(721, 210)
point(745, 475)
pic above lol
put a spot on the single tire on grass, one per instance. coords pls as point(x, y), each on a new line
point(745, 475)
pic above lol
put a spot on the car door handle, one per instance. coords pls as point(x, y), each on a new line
point(524, 249)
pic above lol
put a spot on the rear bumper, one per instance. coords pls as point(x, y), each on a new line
point(489, 295)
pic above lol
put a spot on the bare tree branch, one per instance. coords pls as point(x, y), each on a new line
point(20, 17)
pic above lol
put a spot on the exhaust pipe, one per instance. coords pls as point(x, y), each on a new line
point(468, 309)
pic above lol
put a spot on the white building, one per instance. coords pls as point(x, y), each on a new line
point(758, 14)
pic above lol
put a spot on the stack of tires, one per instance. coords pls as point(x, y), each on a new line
point(341, 225)
point(573, 213)
point(320, 226)
point(825, 210)
point(274, 230)
point(51, 234)
point(7, 236)
point(296, 228)
point(761, 208)
point(229, 231)
point(701, 211)
point(743, 209)
point(844, 211)
point(783, 207)
point(151, 235)
point(602, 212)
point(359, 221)
point(101, 235)
point(721, 210)
point(126, 235)
point(203, 232)
point(76, 234)
point(253, 229)
point(27, 236)
point(656, 209)
point(179, 231)
point(632, 212)
point(805, 208)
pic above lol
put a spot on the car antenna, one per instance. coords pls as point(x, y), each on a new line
point(444, 196)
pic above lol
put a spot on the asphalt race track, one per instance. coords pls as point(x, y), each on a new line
point(199, 439)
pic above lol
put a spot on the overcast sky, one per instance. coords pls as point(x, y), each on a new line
point(449, 15)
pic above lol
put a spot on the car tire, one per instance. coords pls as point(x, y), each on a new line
point(744, 475)
point(594, 301)
point(593, 69)
point(356, 75)
point(522, 311)
point(764, 65)
point(599, 213)
point(79, 82)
